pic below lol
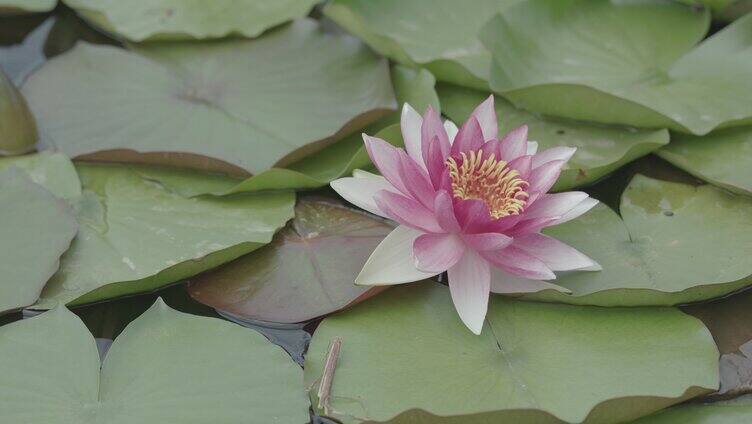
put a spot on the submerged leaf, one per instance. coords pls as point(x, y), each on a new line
point(613, 364)
point(18, 131)
point(136, 235)
point(631, 63)
point(165, 367)
point(53, 171)
point(236, 106)
point(306, 272)
point(600, 149)
point(734, 411)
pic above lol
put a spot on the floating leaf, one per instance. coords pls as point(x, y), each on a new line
point(600, 149)
point(53, 171)
point(22, 6)
point(137, 236)
point(140, 20)
point(35, 229)
point(734, 411)
point(238, 106)
point(18, 131)
point(165, 367)
point(723, 158)
point(613, 364)
point(306, 272)
point(622, 62)
point(674, 243)
point(441, 35)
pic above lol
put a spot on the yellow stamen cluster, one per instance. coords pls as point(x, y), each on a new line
point(489, 180)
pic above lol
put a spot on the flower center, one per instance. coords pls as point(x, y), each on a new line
point(489, 180)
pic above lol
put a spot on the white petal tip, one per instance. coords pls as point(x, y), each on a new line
point(594, 267)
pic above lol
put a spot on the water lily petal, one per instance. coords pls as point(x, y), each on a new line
point(420, 186)
point(487, 241)
point(469, 285)
point(556, 255)
point(514, 144)
point(387, 159)
point(554, 153)
point(532, 148)
point(361, 191)
point(543, 177)
point(554, 205)
point(472, 214)
point(433, 127)
point(523, 165)
point(392, 262)
point(505, 283)
point(518, 262)
point(435, 162)
point(451, 130)
point(444, 210)
point(407, 211)
point(469, 138)
point(437, 252)
point(491, 147)
point(486, 116)
point(578, 210)
point(410, 123)
point(360, 173)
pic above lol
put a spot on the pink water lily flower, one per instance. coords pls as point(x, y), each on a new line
point(468, 204)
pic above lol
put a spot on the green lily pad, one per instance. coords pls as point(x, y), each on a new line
point(734, 411)
point(600, 149)
point(440, 35)
point(18, 131)
point(415, 87)
point(14, 7)
point(137, 236)
point(35, 229)
point(236, 106)
point(166, 366)
point(722, 158)
point(613, 364)
point(141, 20)
point(631, 63)
point(674, 243)
point(306, 272)
point(53, 171)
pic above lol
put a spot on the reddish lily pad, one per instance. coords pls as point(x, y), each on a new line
point(306, 272)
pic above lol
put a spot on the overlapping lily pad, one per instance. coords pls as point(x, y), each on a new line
point(674, 243)
point(533, 362)
point(238, 106)
point(141, 20)
point(600, 149)
point(35, 229)
point(165, 367)
point(137, 235)
point(723, 158)
point(631, 63)
point(25, 6)
point(440, 35)
point(53, 171)
point(18, 131)
point(306, 272)
point(734, 411)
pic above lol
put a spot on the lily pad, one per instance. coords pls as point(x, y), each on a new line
point(306, 272)
point(613, 364)
point(723, 158)
point(137, 236)
point(53, 171)
point(141, 20)
point(166, 366)
point(441, 35)
point(35, 229)
point(18, 131)
point(600, 149)
point(236, 106)
point(733, 411)
point(674, 243)
point(24, 6)
point(631, 63)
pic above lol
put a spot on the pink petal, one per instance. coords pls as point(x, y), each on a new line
point(576, 211)
point(472, 214)
point(487, 241)
point(410, 123)
point(486, 116)
point(387, 159)
point(514, 144)
point(435, 162)
point(492, 147)
point(523, 165)
point(469, 138)
point(518, 262)
point(469, 285)
point(392, 262)
point(556, 255)
point(432, 127)
point(505, 283)
point(437, 252)
point(407, 211)
point(361, 191)
point(531, 226)
point(554, 153)
point(554, 205)
point(444, 210)
point(419, 187)
point(543, 177)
